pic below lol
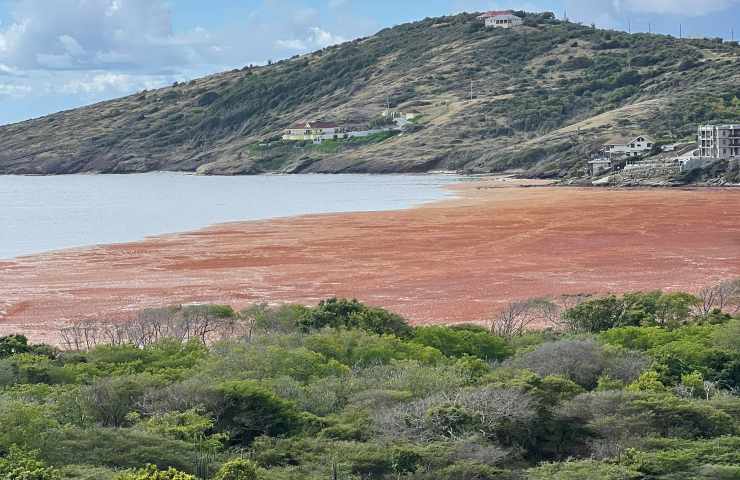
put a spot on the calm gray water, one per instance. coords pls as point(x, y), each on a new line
point(39, 214)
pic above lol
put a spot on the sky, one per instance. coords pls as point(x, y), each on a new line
point(62, 54)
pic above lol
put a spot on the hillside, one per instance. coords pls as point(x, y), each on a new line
point(544, 96)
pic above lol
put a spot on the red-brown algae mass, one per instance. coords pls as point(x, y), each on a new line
point(453, 261)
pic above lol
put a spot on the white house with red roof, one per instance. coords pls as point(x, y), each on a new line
point(501, 19)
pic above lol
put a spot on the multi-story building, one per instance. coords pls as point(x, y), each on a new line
point(719, 141)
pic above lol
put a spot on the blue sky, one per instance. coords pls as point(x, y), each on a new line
point(60, 54)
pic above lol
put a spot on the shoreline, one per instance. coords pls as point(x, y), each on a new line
point(452, 260)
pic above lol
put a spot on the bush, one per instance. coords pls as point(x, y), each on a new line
point(461, 342)
point(636, 309)
point(357, 348)
point(110, 400)
point(582, 361)
point(118, 448)
point(685, 458)
point(504, 415)
point(353, 314)
point(247, 410)
point(582, 470)
point(237, 470)
point(20, 465)
point(13, 344)
point(153, 473)
point(469, 471)
point(622, 416)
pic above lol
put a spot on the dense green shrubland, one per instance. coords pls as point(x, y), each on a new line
point(638, 386)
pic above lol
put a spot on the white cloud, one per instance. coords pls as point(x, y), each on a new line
point(71, 45)
point(72, 52)
point(107, 82)
point(14, 90)
point(8, 70)
point(605, 11)
point(315, 38)
point(322, 38)
point(86, 34)
point(690, 8)
point(294, 44)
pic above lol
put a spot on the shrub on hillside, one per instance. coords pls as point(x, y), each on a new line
point(337, 313)
point(581, 360)
point(246, 410)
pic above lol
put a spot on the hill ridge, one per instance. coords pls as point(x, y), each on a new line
point(532, 87)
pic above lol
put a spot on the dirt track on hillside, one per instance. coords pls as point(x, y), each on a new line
point(453, 261)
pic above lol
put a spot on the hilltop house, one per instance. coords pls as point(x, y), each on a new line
point(719, 141)
point(627, 146)
point(501, 19)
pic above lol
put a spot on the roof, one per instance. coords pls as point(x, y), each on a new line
point(683, 150)
point(624, 140)
point(497, 13)
point(686, 149)
point(302, 125)
point(619, 140)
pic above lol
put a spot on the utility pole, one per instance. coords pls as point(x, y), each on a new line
point(732, 34)
point(680, 30)
point(650, 28)
point(629, 26)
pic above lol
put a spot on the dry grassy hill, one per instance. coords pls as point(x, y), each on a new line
point(545, 95)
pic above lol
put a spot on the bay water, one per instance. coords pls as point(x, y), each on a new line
point(39, 214)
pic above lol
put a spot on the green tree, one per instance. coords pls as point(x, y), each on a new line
point(648, 382)
point(20, 465)
point(673, 309)
point(151, 472)
point(238, 469)
point(595, 315)
point(461, 342)
point(12, 345)
point(189, 426)
point(338, 313)
point(406, 461)
point(582, 470)
point(248, 410)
